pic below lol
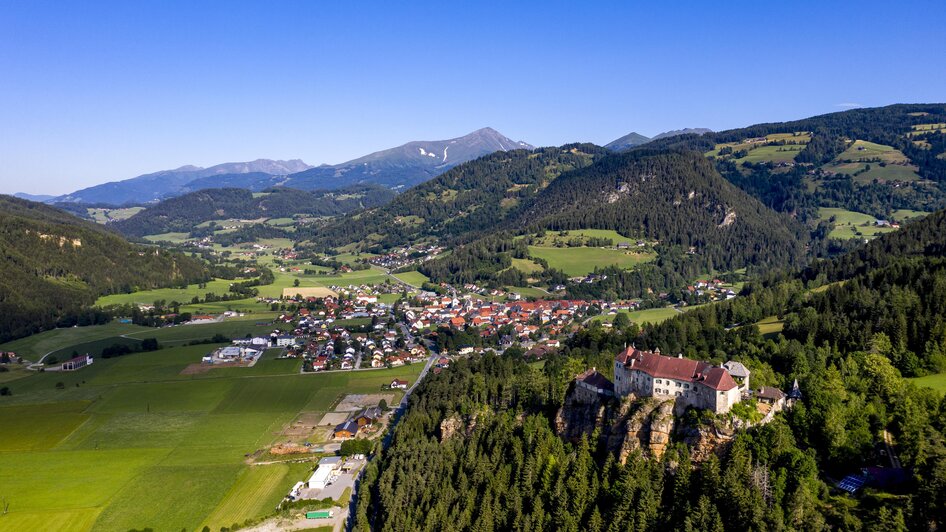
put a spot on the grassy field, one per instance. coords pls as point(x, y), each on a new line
point(528, 291)
point(770, 326)
point(862, 154)
point(582, 261)
point(907, 214)
point(652, 315)
point(850, 224)
point(936, 382)
point(413, 278)
point(131, 443)
point(112, 215)
point(526, 266)
point(37, 345)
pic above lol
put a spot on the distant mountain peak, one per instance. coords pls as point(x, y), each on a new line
point(627, 141)
point(684, 131)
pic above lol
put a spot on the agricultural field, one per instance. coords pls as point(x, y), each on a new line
point(775, 148)
point(103, 216)
point(867, 161)
point(130, 442)
point(35, 346)
point(174, 238)
point(182, 295)
point(652, 315)
point(561, 238)
point(583, 260)
point(850, 224)
point(413, 278)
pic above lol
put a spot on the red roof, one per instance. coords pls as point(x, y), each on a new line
point(682, 369)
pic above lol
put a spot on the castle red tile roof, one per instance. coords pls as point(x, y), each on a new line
point(681, 369)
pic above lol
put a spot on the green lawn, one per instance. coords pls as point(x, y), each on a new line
point(528, 291)
point(129, 442)
point(653, 315)
point(583, 260)
point(181, 295)
point(936, 382)
point(770, 326)
point(413, 278)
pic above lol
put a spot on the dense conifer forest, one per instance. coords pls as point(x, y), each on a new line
point(55, 266)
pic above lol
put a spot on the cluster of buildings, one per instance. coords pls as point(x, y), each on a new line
point(687, 382)
point(715, 290)
point(406, 256)
point(360, 422)
point(525, 317)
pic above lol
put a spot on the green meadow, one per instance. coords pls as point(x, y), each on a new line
point(583, 260)
point(936, 382)
point(850, 224)
point(651, 315)
point(130, 442)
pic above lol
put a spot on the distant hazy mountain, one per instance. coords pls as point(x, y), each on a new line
point(627, 141)
point(407, 165)
point(159, 185)
point(42, 198)
point(684, 131)
point(401, 167)
point(636, 139)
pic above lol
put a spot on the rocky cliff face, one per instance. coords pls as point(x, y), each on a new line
point(647, 425)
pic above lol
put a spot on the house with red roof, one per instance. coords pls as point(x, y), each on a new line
point(688, 382)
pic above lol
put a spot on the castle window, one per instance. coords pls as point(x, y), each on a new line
point(678, 385)
point(657, 381)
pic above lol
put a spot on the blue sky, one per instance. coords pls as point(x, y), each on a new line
point(94, 92)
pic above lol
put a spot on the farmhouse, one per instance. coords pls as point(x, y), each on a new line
point(689, 382)
point(346, 430)
point(399, 384)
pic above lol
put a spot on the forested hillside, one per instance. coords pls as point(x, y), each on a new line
point(471, 198)
point(816, 175)
point(702, 223)
point(496, 463)
point(183, 213)
point(55, 265)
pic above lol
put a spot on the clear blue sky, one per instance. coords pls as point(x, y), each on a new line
point(93, 92)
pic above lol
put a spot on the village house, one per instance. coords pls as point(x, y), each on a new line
point(399, 384)
point(688, 382)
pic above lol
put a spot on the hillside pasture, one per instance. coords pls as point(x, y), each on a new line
point(867, 161)
point(581, 261)
point(851, 224)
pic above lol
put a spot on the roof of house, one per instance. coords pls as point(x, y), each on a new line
point(596, 379)
point(398, 381)
point(347, 426)
point(736, 369)
point(679, 368)
point(768, 392)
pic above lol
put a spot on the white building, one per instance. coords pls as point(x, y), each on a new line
point(324, 473)
point(688, 382)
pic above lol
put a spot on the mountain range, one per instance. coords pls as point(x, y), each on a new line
point(395, 168)
point(634, 138)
